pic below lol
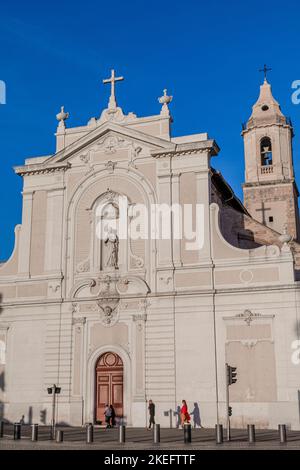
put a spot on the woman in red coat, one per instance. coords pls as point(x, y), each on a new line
point(185, 417)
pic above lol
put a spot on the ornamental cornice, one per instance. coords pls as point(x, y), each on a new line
point(264, 125)
point(39, 170)
point(176, 153)
point(189, 148)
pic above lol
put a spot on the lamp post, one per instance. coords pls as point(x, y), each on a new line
point(54, 390)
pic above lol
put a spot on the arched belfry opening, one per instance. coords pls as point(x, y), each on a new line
point(109, 382)
point(266, 152)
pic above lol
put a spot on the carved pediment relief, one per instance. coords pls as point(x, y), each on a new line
point(109, 286)
point(109, 135)
point(109, 149)
point(111, 143)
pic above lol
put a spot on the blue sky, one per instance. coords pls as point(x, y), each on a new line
point(206, 53)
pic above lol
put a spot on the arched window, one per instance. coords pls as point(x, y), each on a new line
point(266, 152)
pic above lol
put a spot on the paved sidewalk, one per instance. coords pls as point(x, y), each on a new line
point(140, 439)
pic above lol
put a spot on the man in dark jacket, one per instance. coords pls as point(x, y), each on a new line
point(151, 409)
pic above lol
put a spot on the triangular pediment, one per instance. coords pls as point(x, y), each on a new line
point(105, 131)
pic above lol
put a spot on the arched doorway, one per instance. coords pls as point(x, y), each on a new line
point(109, 384)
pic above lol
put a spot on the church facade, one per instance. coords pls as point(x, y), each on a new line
point(123, 319)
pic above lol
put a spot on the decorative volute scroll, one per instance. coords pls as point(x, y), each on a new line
point(109, 285)
point(132, 285)
point(83, 288)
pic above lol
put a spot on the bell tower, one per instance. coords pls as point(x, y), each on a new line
point(270, 190)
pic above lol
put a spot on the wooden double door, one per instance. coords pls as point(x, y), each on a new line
point(109, 385)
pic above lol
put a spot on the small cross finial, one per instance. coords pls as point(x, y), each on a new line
point(112, 104)
point(265, 70)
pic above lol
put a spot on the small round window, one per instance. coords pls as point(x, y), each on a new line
point(265, 107)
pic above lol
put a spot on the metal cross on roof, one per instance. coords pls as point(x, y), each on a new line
point(265, 70)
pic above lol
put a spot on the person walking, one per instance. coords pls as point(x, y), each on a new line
point(113, 416)
point(107, 415)
point(151, 409)
point(185, 417)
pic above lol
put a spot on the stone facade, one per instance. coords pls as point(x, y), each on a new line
point(279, 208)
point(174, 316)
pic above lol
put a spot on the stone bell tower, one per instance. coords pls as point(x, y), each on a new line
point(270, 190)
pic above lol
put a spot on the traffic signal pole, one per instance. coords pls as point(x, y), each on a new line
point(53, 391)
point(227, 403)
point(230, 373)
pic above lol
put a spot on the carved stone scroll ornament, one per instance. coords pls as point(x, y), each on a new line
point(75, 307)
point(54, 287)
point(108, 300)
point(135, 150)
point(85, 158)
point(111, 144)
point(84, 266)
point(248, 316)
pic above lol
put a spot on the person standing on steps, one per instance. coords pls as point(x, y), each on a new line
point(151, 409)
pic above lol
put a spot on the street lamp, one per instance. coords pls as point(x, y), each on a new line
point(54, 390)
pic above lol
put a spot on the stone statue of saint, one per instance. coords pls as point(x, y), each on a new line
point(112, 244)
